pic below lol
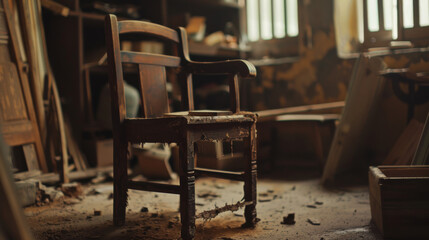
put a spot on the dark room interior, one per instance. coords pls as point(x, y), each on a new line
point(214, 119)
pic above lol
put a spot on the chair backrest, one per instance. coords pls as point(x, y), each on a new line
point(152, 67)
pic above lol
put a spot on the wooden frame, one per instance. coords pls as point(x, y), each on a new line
point(185, 128)
point(417, 35)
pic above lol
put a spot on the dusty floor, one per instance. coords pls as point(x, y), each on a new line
point(343, 212)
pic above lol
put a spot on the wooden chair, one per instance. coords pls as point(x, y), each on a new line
point(184, 128)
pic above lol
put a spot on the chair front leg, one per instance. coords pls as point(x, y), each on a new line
point(250, 177)
point(120, 182)
point(187, 192)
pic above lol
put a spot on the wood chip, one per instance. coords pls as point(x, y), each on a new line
point(313, 221)
point(289, 219)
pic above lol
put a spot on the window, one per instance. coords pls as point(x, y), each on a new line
point(273, 27)
point(382, 21)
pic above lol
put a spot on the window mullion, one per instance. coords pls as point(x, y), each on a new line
point(416, 13)
point(381, 15)
point(273, 22)
point(286, 17)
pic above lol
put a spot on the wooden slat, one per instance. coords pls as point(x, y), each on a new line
point(272, 113)
point(237, 176)
point(150, 58)
point(153, 88)
point(154, 187)
point(147, 28)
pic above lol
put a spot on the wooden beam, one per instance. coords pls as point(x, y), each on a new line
point(272, 113)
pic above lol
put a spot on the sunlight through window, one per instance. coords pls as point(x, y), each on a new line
point(253, 20)
point(408, 13)
point(373, 23)
point(279, 18)
point(266, 20)
point(424, 13)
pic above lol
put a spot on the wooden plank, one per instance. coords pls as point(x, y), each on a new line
point(17, 57)
point(26, 175)
point(30, 157)
point(270, 114)
point(149, 58)
point(364, 93)
point(31, 39)
point(54, 178)
point(154, 187)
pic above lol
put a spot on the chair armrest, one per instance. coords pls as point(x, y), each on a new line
point(243, 68)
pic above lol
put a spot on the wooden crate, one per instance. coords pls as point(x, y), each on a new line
point(399, 198)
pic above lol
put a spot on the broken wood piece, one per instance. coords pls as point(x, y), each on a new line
point(289, 219)
point(52, 178)
point(209, 214)
point(26, 175)
point(56, 7)
point(144, 209)
point(313, 221)
point(72, 189)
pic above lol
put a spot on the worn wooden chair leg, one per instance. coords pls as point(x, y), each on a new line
point(187, 193)
point(250, 177)
point(120, 183)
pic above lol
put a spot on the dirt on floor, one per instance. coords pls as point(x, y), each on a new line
point(319, 213)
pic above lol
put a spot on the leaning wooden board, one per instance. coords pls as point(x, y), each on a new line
point(399, 198)
point(364, 94)
point(17, 115)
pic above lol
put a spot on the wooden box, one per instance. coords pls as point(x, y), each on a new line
point(399, 198)
point(99, 152)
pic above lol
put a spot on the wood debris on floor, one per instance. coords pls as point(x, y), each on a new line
point(156, 216)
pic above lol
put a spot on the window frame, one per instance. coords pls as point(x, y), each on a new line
point(276, 47)
point(418, 35)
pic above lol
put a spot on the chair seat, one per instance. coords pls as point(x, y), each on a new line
point(209, 116)
point(169, 127)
